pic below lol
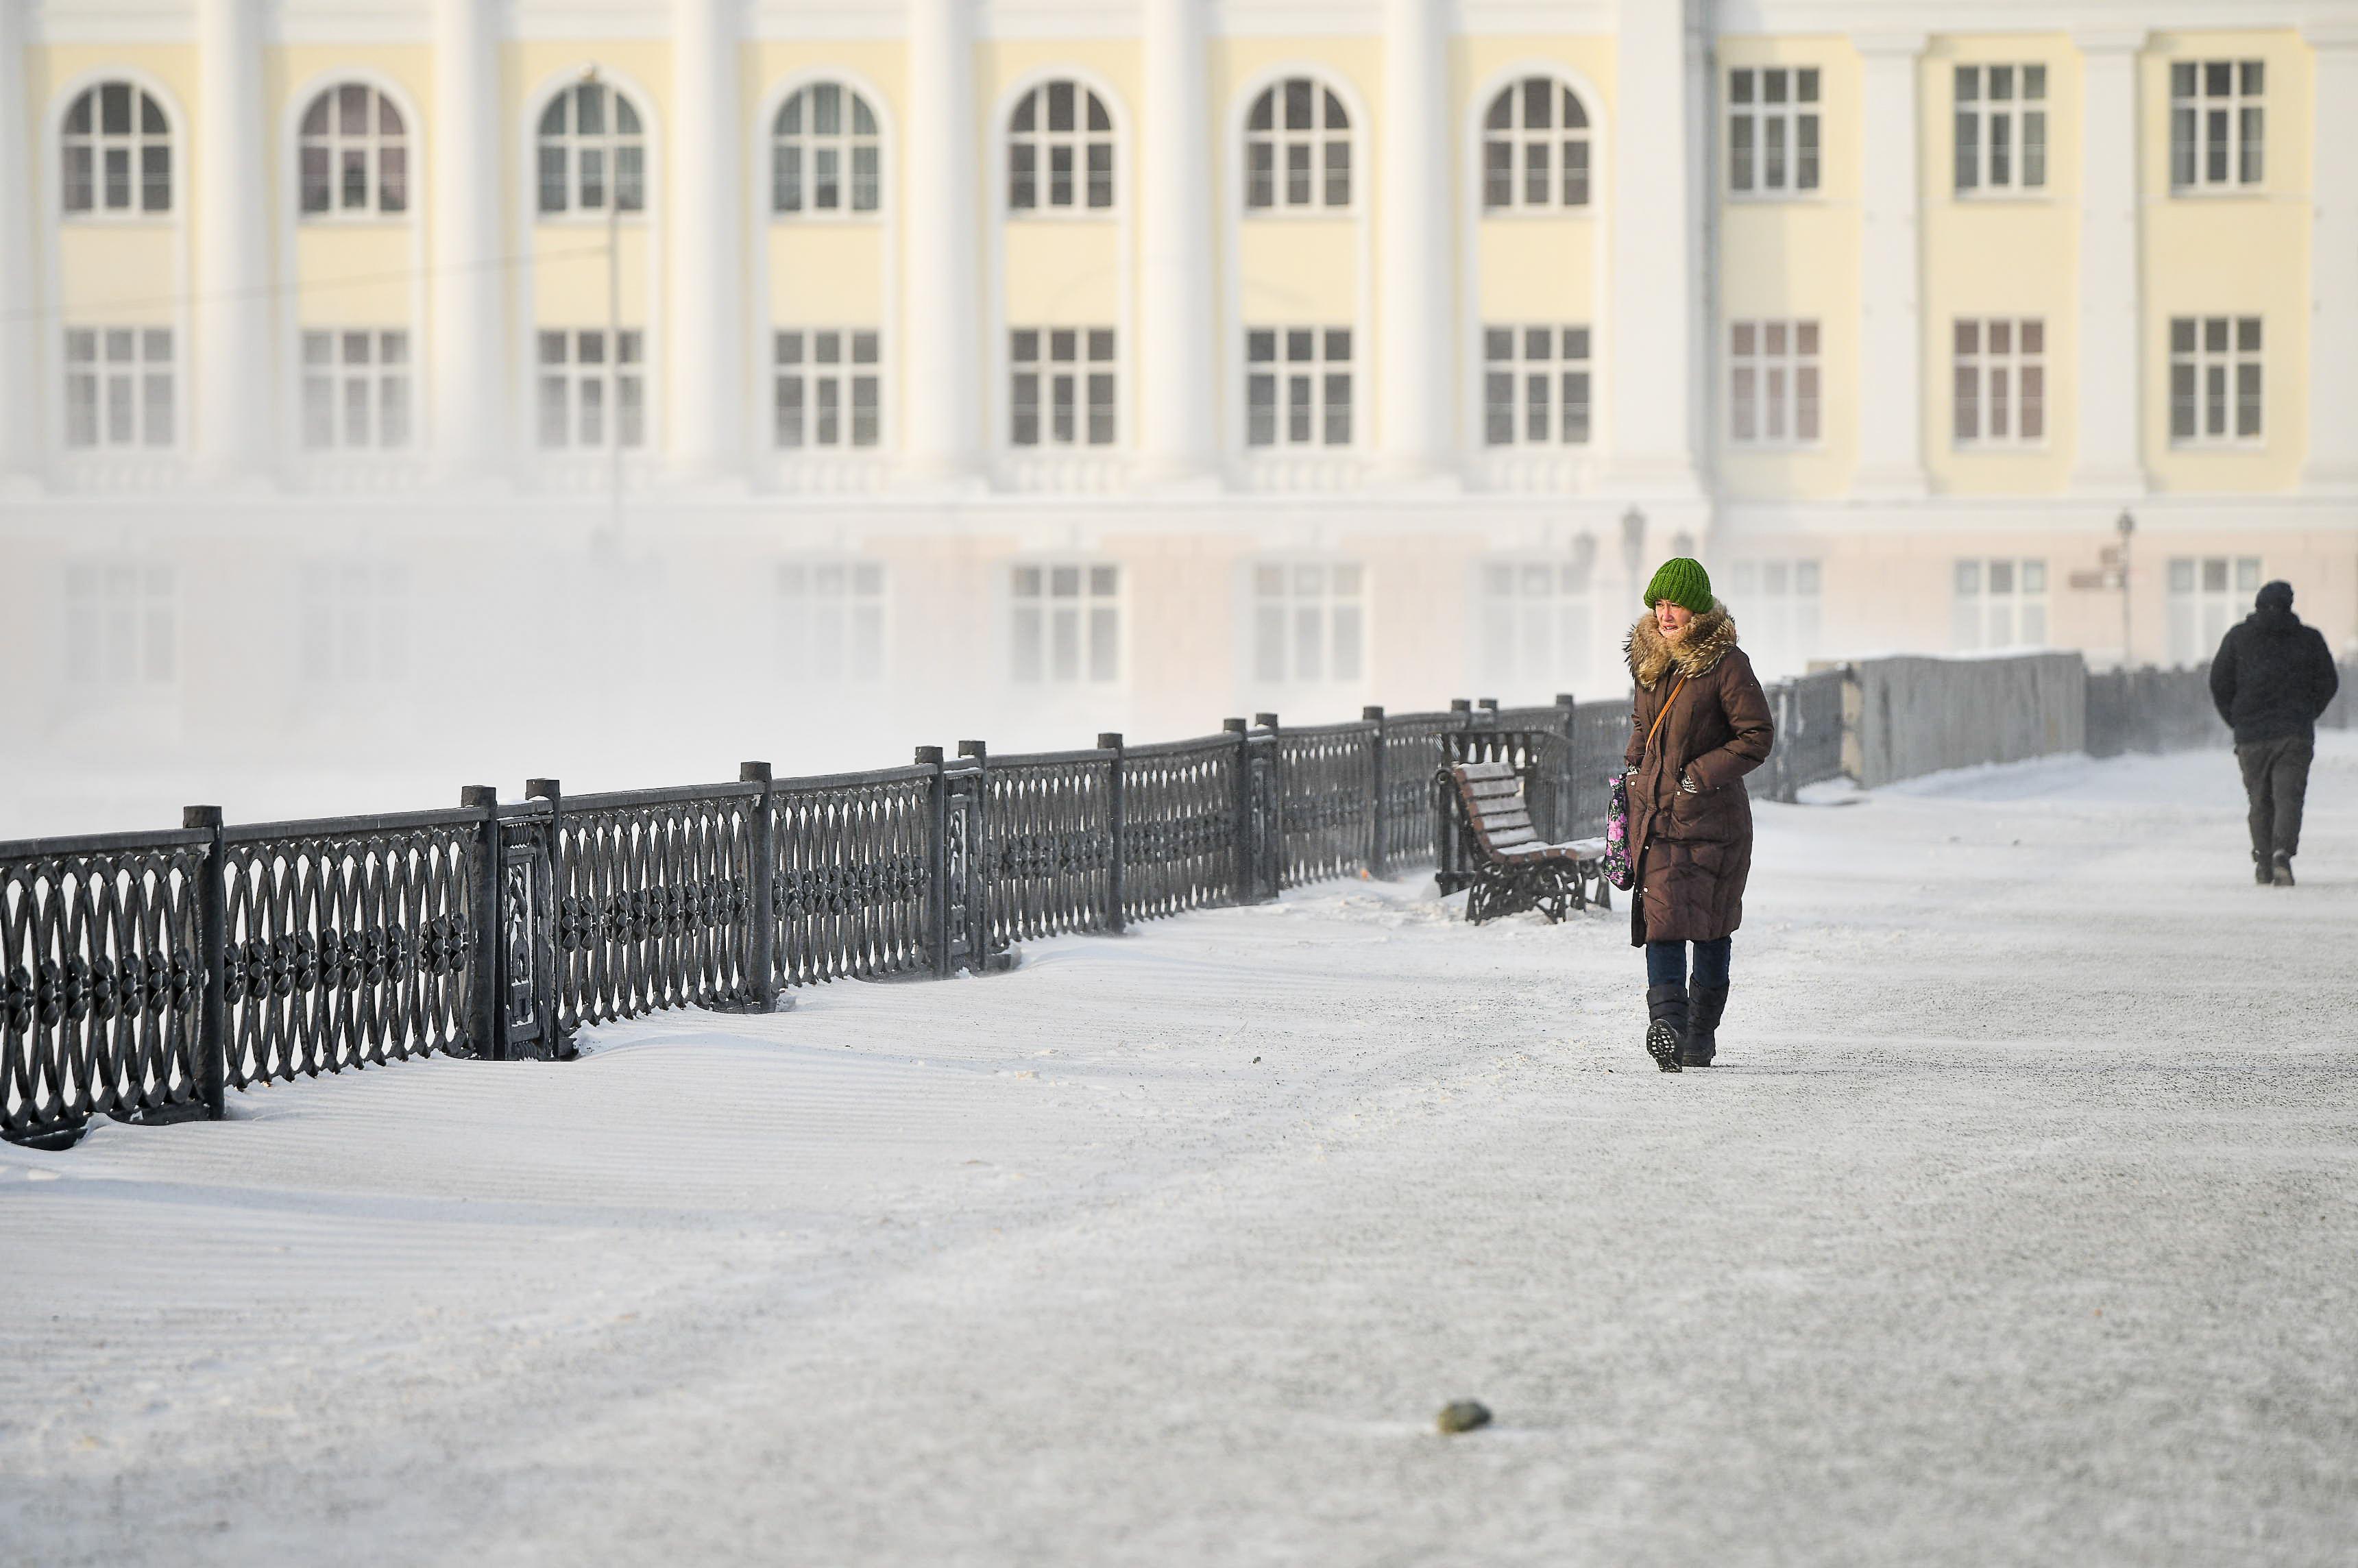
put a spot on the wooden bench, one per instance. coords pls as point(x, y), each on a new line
point(1510, 867)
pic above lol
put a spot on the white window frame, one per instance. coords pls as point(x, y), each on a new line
point(148, 131)
point(618, 374)
point(380, 152)
point(1543, 372)
point(128, 379)
point(1983, 590)
point(2217, 377)
point(822, 372)
point(1999, 125)
point(1091, 135)
point(121, 626)
point(618, 153)
point(1791, 121)
point(1322, 147)
point(1296, 372)
point(1308, 624)
point(353, 622)
point(832, 620)
point(1786, 384)
point(1069, 372)
point(1780, 602)
point(1559, 156)
point(1997, 378)
point(856, 145)
point(2207, 595)
point(2218, 126)
point(359, 390)
point(1538, 620)
point(1064, 623)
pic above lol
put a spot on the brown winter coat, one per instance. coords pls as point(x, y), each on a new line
point(1692, 851)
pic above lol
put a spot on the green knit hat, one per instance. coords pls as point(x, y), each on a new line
point(1684, 582)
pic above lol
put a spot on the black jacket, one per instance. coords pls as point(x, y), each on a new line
point(2272, 677)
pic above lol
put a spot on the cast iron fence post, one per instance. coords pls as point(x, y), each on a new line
point(1378, 864)
point(1117, 833)
point(937, 862)
point(483, 952)
point(980, 959)
point(761, 891)
point(1567, 782)
point(1485, 712)
point(212, 963)
point(1243, 807)
point(540, 935)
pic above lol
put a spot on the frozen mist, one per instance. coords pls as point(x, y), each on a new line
point(2016, 1230)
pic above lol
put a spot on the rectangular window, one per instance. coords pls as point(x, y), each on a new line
point(1309, 624)
point(121, 625)
point(1061, 387)
point(122, 388)
point(828, 389)
point(1064, 626)
point(2207, 595)
point(588, 397)
point(1773, 384)
point(1535, 386)
point(1772, 130)
point(2001, 128)
point(830, 622)
point(1537, 621)
point(356, 390)
point(1778, 602)
point(1999, 603)
point(2216, 381)
point(352, 622)
point(1999, 378)
point(1298, 387)
point(2218, 124)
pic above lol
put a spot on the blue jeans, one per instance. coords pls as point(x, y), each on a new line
point(1666, 963)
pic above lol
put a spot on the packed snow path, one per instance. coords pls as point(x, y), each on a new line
point(2019, 1228)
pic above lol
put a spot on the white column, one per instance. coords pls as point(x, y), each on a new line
point(1175, 225)
point(1891, 305)
point(470, 329)
point(2110, 457)
point(708, 353)
point(21, 422)
point(1653, 288)
point(2333, 461)
point(942, 389)
point(1412, 261)
point(233, 410)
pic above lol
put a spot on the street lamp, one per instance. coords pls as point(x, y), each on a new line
point(2124, 526)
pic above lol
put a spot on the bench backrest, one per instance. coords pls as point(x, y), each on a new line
point(1496, 811)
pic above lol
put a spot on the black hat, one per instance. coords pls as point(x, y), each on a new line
point(2274, 595)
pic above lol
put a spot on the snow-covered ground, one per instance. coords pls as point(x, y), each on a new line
point(2019, 1228)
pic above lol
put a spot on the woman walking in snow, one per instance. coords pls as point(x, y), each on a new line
point(1700, 722)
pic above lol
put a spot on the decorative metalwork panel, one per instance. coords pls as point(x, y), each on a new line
point(1179, 825)
point(1048, 844)
point(346, 947)
point(1808, 716)
point(854, 876)
point(1324, 803)
point(1412, 753)
point(1600, 737)
point(652, 902)
point(101, 979)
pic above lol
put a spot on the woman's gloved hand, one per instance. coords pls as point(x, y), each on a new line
point(1687, 785)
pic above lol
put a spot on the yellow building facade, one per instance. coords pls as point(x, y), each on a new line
point(1119, 361)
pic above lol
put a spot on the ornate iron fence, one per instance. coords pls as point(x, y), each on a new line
point(1049, 842)
point(1327, 813)
point(1178, 829)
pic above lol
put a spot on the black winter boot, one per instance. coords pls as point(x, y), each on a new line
point(1703, 1026)
point(2262, 873)
point(1666, 1026)
point(2281, 873)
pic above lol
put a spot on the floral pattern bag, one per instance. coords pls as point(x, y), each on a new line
point(1620, 870)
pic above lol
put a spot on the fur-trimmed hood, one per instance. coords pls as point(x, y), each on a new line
point(1706, 642)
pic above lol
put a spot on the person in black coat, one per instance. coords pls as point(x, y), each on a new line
point(2271, 681)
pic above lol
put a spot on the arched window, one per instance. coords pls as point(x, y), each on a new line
point(118, 153)
point(354, 155)
point(1534, 147)
point(591, 147)
point(1059, 149)
point(1297, 148)
point(824, 155)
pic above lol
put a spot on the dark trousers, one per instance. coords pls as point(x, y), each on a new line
point(1666, 962)
point(2276, 779)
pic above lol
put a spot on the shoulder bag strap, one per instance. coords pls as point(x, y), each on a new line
point(1663, 712)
